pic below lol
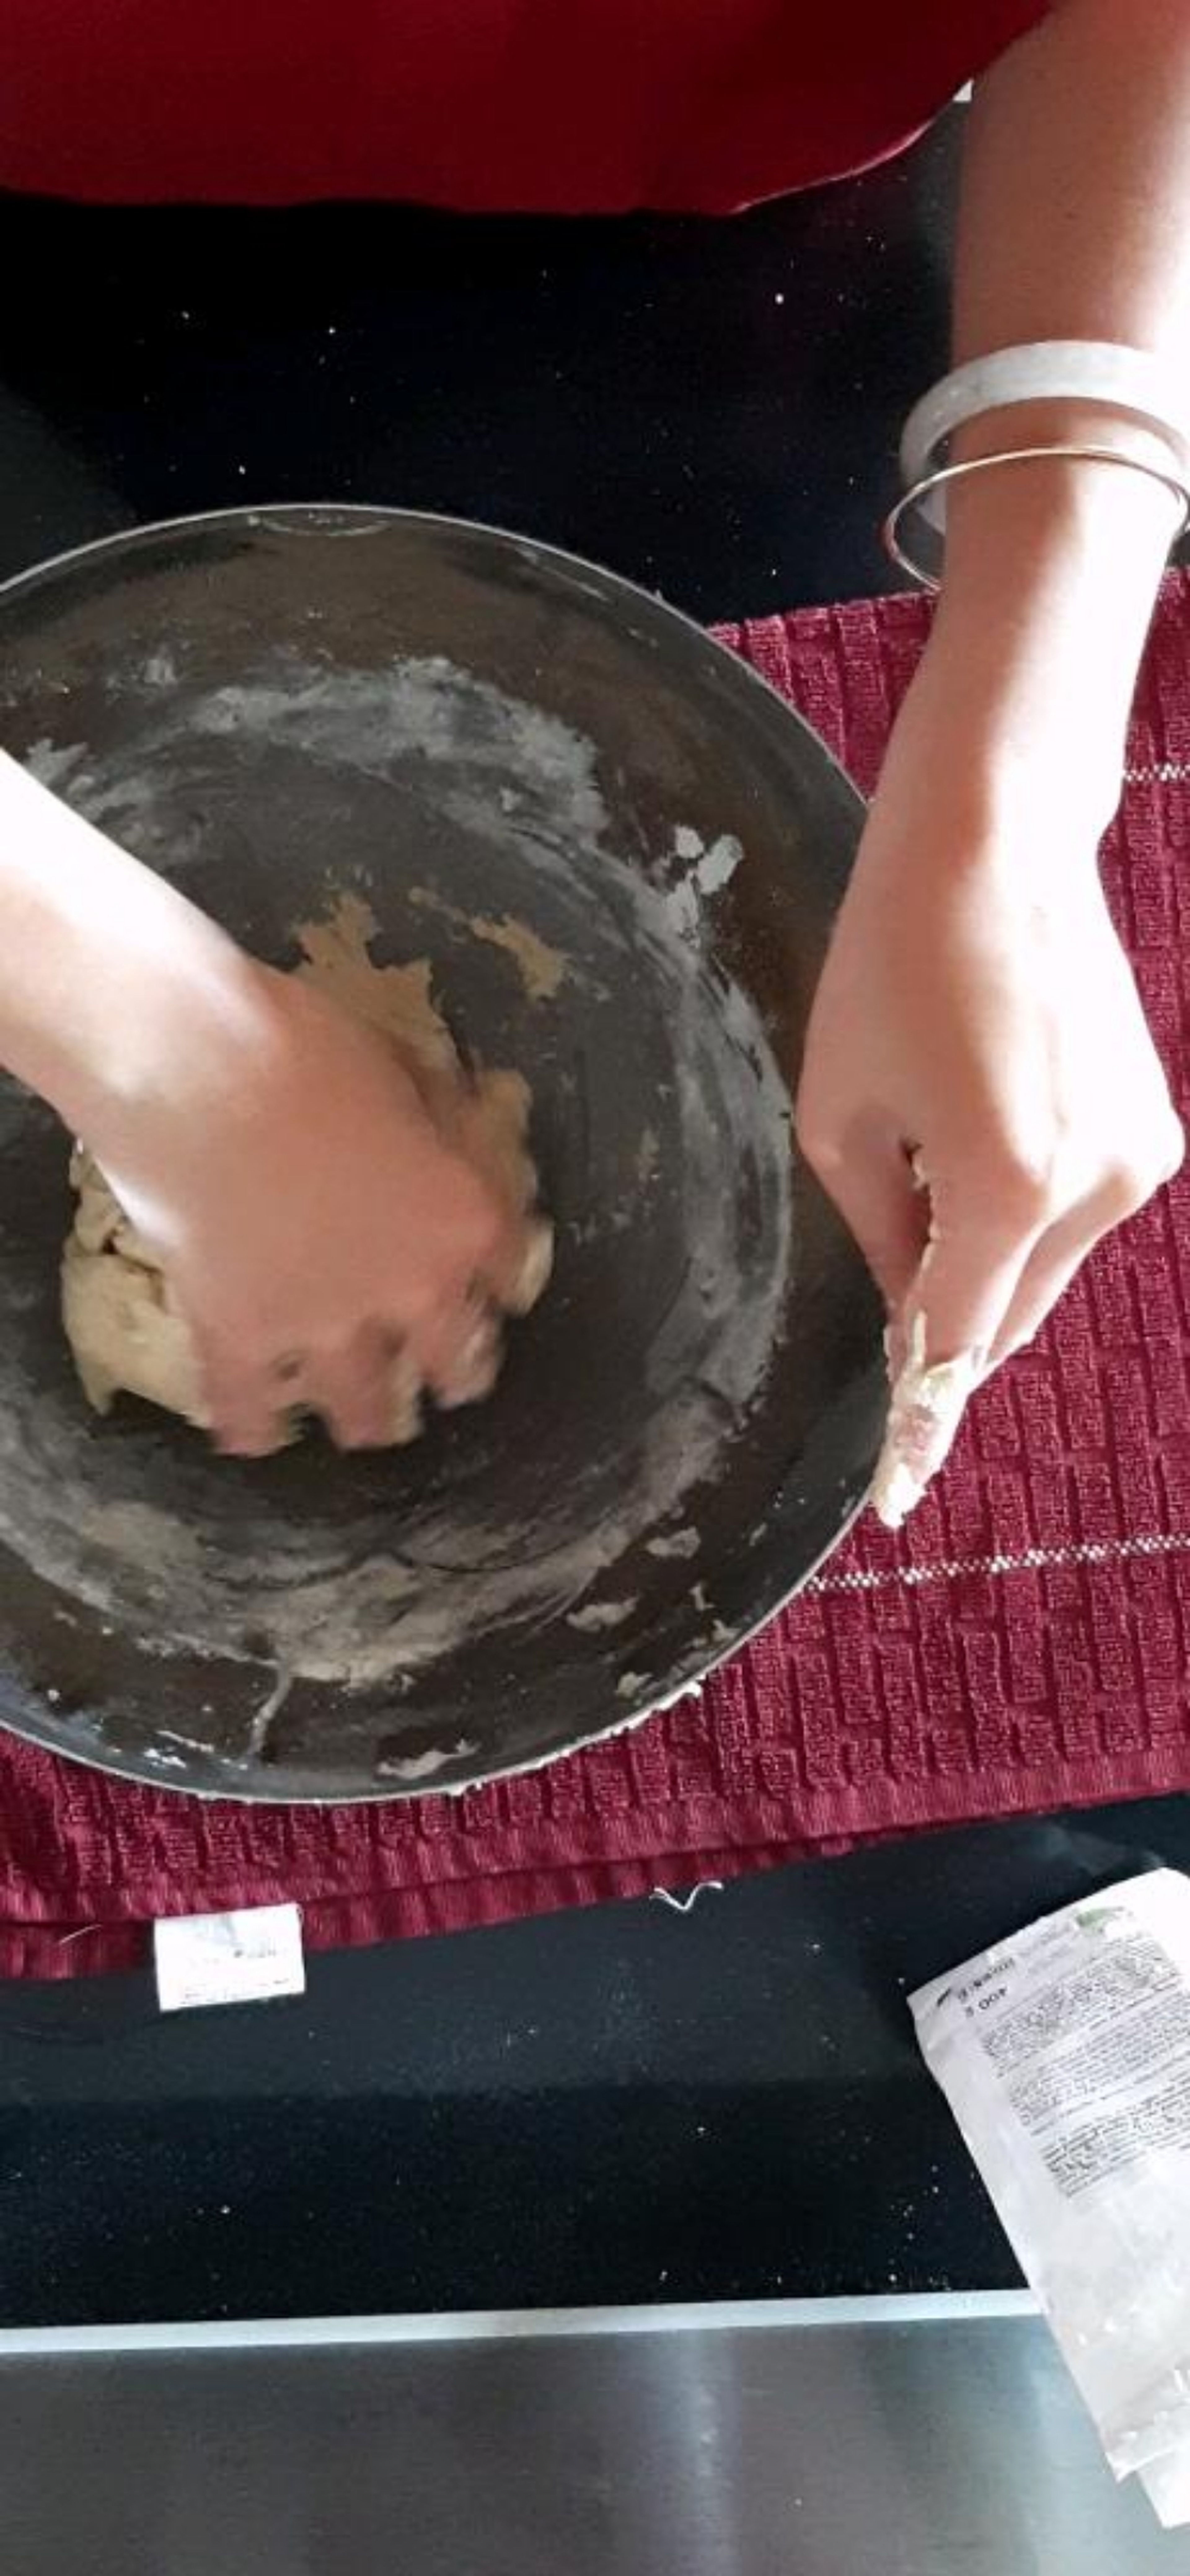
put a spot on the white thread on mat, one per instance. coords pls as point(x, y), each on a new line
point(1159, 773)
point(1031, 1560)
point(686, 1904)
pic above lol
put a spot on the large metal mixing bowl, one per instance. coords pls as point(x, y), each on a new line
point(274, 707)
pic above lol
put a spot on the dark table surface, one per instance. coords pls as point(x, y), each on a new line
point(632, 2104)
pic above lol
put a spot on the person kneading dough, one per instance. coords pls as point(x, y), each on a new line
point(124, 1326)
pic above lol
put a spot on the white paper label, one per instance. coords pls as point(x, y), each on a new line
point(229, 1958)
point(1083, 2022)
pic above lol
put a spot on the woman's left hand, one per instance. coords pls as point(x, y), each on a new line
point(980, 1095)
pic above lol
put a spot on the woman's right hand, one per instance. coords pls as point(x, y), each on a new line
point(321, 1237)
point(327, 1238)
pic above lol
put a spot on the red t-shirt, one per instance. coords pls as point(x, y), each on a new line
point(555, 105)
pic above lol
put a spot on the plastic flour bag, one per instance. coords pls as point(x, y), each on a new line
point(1065, 2056)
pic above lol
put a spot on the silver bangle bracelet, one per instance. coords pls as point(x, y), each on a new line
point(1132, 381)
point(915, 500)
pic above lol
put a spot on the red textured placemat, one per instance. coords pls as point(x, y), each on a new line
point(1023, 1646)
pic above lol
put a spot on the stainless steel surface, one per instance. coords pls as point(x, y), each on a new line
point(925, 2437)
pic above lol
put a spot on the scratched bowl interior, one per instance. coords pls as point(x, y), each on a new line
point(469, 730)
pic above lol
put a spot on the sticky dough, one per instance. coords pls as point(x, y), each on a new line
point(119, 1321)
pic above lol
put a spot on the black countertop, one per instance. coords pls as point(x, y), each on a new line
point(710, 408)
point(632, 2104)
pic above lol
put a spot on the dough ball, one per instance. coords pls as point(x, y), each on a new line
point(119, 1322)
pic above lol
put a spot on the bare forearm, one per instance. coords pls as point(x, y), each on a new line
point(1076, 184)
point(977, 1026)
point(109, 980)
point(1075, 225)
